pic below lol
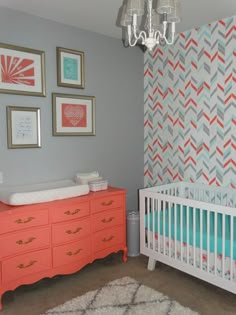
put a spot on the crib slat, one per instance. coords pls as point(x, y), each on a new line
point(215, 241)
point(201, 238)
point(148, 223)
point(153, 223)
point(164, 227)
point(194, 237)
point(223, 246)
point(159, 225)
point(208, 241)
point(175, 240)
point(181, 232)
point(169, 239)
point(187, 232)
point(231, 247)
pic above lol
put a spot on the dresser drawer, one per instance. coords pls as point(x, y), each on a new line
point(25, 265)
point(107, 219)
point(70, 231)
point(108, 238)
point(27, 240)
point(106, 203)
point(66, 254)
point(70, 211)
point(14, 222)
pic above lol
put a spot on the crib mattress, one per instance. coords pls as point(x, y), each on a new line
point(42, 192)
point(175, 230)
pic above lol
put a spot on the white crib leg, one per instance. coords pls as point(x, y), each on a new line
point(151, 264)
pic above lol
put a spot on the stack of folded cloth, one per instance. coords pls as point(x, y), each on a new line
point(85, 178)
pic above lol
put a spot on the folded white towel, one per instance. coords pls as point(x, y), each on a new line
point(83, 181)
point(94, 174)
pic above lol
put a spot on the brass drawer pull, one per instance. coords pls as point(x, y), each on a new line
point(107, 220)
point(72, 212)
point(20, 221)
point(30, 240)
point(107, 203)
point(108, 239)
point(31, 263)
point(74, 232)
point(75, 253)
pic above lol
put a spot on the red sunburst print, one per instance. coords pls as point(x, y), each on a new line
point(74, 115)
point(16, 70)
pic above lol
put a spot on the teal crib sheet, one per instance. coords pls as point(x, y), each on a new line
point(175, 221)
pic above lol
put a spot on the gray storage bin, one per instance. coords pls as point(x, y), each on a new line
point(133, 234)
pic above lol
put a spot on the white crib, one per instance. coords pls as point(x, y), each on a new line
point(191, 227)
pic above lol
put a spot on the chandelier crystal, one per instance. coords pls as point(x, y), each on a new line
point(155, 26)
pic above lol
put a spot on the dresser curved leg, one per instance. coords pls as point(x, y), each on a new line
point(0, 303)
point(125, 250)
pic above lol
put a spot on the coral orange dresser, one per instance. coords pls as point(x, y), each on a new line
point(59, 237)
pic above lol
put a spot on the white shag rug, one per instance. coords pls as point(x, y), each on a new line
point(124, 296)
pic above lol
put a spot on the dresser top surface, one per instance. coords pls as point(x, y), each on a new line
point(90, 196)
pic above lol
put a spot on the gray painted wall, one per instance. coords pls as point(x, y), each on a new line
point(113, 74)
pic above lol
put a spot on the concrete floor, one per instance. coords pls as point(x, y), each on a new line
point(198, 295)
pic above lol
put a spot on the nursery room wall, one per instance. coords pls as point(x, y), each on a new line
point(190, 107)
point(113, 75)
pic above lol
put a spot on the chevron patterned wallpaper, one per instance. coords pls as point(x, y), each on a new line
point(190, 108)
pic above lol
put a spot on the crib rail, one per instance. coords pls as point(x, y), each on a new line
point(190, 234)
point(198, 192)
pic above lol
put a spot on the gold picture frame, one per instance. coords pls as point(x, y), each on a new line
point(23, 127)
point(22, 70)
point(70, 68)
point(73, 115)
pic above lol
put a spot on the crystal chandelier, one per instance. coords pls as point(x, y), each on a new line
point(158, 24)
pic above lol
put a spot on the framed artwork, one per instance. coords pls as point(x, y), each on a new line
point(70, 68)
point(23, 127)
point(73, 115)
point(22, 70)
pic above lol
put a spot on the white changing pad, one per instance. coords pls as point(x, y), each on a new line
point(43, 192)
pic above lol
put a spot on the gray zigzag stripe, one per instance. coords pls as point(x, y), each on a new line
point(230, 170)
point(191, 50)
point(214, 29)
point(214, 45)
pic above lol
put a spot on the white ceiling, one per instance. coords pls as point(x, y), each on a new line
point(101, 15)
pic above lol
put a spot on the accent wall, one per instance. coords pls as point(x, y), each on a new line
point(190, 108)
